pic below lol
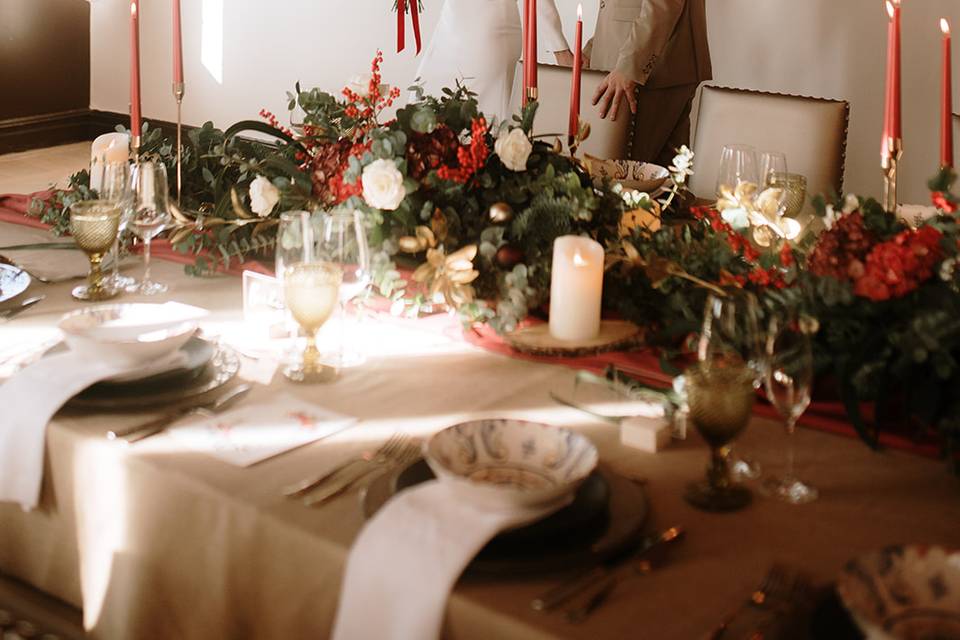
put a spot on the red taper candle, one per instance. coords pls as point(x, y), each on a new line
point(946, 104)
point(531, 52)
point(576, 76)
point(135, 68)
point(177, 45)
point(896, 130)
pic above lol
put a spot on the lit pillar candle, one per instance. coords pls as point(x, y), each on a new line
point(135, 68)
point(575, 81)
point(946, 119)
point(107, 149)
point(177, 45)
point(576, 288)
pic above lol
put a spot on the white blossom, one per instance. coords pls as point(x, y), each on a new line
point(514, 149)
point(383, 185)
point(264, 196)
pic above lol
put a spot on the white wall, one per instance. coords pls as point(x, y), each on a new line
point(828, 48)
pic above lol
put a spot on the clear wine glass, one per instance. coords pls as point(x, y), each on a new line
point(738, 166)
point(311, 293)
point(771, 163)
point(344, 243)
point(115, 187)
point(297, 236)
point(149, 216)
point(789, 379)
point(730, 337)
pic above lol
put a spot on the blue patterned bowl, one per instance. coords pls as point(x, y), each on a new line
point(909, 592)
point(511, 462)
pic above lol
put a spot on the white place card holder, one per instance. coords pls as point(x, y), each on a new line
point(263, 309)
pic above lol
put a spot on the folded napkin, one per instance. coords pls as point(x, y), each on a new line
point(29, 400)
point(406, 560)
point(250, 434)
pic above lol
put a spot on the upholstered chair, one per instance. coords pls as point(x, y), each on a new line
point(812, 132)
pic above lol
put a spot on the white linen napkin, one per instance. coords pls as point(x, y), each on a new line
point(406, 560)
point(29, 400)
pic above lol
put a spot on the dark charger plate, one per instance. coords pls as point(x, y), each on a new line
point(605, 519)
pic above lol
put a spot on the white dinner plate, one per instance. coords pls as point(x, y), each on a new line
point(13, 282)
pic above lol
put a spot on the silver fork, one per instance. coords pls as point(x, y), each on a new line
point(404, 455)
point(775, 585)
point(306, 486)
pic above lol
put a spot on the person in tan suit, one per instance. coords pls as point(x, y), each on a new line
point(661, 47)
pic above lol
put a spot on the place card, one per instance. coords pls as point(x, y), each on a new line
point(251, 434)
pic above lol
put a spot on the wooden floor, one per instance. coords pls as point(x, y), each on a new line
point(29, 171)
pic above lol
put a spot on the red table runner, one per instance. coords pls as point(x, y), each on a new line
point(642, 364)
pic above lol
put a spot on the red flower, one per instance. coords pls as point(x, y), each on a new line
point(470, 158)
point(898, 266)
point(872, 288)
point(942, 202)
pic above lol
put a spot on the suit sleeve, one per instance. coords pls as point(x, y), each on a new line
point(549, 27)
point(648, 38)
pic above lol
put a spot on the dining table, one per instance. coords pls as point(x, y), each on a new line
point(159, 540)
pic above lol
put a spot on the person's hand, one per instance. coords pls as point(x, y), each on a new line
point(615, 88)
point(564, 58)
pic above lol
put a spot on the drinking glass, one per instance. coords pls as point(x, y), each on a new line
point(738, 165)
point(115, 187)
point(721, 402)
point(94, 225)
point(771, 162)
point(311, 292)
point(795, 187)
point(730, 337)
point(297, 236)
point(789, 378)
point(149, 216)
point(344, 243)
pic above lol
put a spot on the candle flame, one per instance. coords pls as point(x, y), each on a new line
point(890, 9)
point(133, 9)
point(578, 260)
point(579, 12)
point(944, 26)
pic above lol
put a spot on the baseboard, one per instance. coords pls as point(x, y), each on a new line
point(51, 129)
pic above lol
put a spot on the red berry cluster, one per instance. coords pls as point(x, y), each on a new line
point(470, 158)
point(896, 267)
point(943, 202)
point(366, 108)
point(273, 122)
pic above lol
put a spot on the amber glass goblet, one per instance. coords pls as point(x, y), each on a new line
point(721, 401)
point(311, 292)
point(95, 225)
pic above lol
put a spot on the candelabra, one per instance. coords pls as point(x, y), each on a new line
point(889, 163)
point(178, 91)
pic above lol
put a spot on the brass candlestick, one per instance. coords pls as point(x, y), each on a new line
point(135, 146)
point(533, 94)
point(178, 91)
point(889, 164)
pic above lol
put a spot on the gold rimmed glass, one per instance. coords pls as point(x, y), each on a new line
point(311, 291)
point(721, 402)
point(95, 225)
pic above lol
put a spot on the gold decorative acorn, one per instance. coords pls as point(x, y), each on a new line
point(449, 276)
point(501, 213)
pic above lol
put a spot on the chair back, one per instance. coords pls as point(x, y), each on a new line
point(608, 140)
point(812, 132)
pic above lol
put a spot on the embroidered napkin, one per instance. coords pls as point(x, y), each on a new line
point(251, 434)
point(29, 400)
point(428, 535)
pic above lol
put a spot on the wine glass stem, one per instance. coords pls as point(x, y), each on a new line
point(146, 259)
point(95, 279)
point(116, 257)
point(311, 356)
point(791, 429)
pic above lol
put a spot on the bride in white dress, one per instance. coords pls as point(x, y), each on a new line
point(479, 43)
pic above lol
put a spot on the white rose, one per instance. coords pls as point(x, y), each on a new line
point(263, 196)
point(383, 185)
point(514, 149)
point(360, 84)
point(851, 203)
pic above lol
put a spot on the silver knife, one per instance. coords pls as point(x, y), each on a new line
point(558, 595)
point(158, 425)
point(6, 314)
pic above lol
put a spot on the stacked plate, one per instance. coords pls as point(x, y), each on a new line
point(175, 364)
